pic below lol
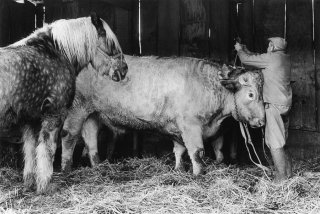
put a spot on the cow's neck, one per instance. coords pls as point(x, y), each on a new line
point(229, 104)
point(225, 109)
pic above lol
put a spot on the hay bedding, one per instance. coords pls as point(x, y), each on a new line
point(149, 185)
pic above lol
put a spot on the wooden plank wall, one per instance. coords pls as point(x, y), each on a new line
point(149, 26)
point(16, 21)
point(168, 27)
point(119, 19)
point(4, 23)
point(220, 30)
point(194, 28)
point(299, 37)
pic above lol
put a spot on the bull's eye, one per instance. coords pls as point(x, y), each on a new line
point(251, 95)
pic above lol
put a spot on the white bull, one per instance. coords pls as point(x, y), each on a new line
point(183, 98)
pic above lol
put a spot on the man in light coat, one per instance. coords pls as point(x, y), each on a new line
point(277, 95)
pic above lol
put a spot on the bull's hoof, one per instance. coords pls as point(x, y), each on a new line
point(180, 169)
point(66, 167)
point(95, 160)
point(233, 161)
point(198, 172)
point(218, 161)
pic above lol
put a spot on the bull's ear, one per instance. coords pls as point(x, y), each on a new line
point(224, 73)
point(245, 79)
point(232, 85)
point(96, 21)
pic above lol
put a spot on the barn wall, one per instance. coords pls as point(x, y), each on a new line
point(118, 18)
point(149, 26)
point(4, 23)
point(194, 28)
point(16, 21)
point(219, 25)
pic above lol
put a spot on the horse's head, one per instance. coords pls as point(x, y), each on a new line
point(108, 57)
point(90, 40)
point(248, 99)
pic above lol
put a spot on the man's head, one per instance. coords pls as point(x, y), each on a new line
point(277, 44)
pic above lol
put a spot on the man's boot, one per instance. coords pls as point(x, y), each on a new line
point(282, 163)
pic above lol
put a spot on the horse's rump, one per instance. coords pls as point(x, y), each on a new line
point(32, 77)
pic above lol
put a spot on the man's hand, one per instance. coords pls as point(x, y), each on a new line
point(238, 46)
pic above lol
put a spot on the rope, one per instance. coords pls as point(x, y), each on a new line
point(247, 140)
point(264, 150)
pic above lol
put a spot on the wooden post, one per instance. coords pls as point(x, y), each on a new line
point(135, 27)
point(299, 37)
point(168, 27)
point(194, 28)
point(149, 26)
point(269, 19)
point(4, 23)
point(219, 28)
point(246, 30)
point(61, 9)
point(21, 19)
point(317, 57)
point(123, 28)
point(39, 15)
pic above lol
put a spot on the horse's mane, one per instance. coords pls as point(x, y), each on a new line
point(77, 38)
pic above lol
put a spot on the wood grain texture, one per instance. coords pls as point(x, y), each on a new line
point(299, 37)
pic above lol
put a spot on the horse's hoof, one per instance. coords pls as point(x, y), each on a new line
point(28, 189)
point(50, 189)
point(29, 183)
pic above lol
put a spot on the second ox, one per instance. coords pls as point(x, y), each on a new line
point(183, 98)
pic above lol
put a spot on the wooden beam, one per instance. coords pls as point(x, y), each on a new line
point(246, 30)
point(4, 23)
point(268, 22)
point(299, 37)
point(317, 57)
point(219, 28)
point(169, 28)
point(149, 27)
point(194, 28)
point(125, 4)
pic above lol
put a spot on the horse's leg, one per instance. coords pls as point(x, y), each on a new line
point(178, 150)
point(90, 135)
point(70, 134)
point(192, 137)
point(217, 147)
point(45, 152)
point(29, 150)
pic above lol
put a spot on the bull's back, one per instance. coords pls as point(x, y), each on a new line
point(156, 93)
point(144, 100)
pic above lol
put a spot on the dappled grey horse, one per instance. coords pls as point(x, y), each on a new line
point(37, 76)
